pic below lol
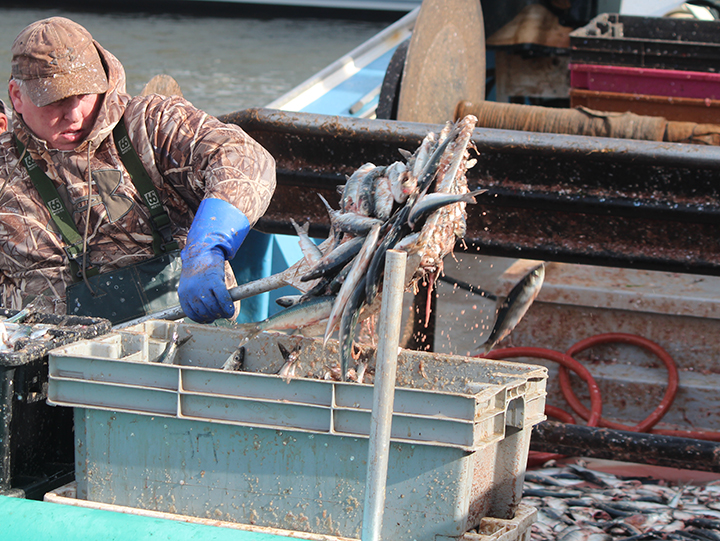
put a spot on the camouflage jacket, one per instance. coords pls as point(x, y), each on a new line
point(188, 154)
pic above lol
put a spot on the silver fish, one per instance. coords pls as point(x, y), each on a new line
point(513, 307)
point(309, 249)
point(433, 201)
point(300, 315)
point(356, 273)
point(348, 325)
point(286, 301)
point(384, 199)
point(366, 192)
point(292, 357)
point(349, 222)
point(236, 361)
point(169, 354)
point(335, 259)
point(349, 199)
point(400, 187)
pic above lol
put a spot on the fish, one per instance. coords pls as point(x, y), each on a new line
point(400, 184)
point(512, 309)
point(433, 201)
point(310, 250)
point(366, 192)
point(384, 199)
point(348, 324)
point(397, 231)
point(291, 358)
point(236, 361)
point(357, 271)
point(348, 201)
point(349, 222)
point(169, 353)
point(300, 315)
point(336, 259)
point(286, 301)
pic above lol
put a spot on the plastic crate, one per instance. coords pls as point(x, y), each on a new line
point(517, 528)
point(36, 440)
point(252, 447)
point(652, 82)
point(705, 111)
point(648, 42)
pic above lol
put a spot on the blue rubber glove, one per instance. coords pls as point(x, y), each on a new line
point(216, 233)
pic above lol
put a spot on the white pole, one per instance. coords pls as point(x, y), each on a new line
point(383, 394)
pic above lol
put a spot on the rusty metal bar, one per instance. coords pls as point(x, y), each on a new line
point(554, 197)
point(655, 449)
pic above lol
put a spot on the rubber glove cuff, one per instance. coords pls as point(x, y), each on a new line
point(215, 236)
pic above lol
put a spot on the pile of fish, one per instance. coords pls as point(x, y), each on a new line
point(416, 205)
point(13, 331)
point(575, 503)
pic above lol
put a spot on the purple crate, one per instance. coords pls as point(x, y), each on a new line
point(646, 81)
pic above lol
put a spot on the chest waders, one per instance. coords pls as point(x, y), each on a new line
point(130, 292)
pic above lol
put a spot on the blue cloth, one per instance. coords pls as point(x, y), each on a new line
point(216, 233)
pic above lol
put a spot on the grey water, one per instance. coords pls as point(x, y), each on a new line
point(223, 63)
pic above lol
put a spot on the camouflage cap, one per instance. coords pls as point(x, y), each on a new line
point(57, 58)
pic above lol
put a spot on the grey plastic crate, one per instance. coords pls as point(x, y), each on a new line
point(252, 447)
point(36, 441)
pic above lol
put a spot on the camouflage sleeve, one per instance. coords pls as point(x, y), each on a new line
point(198, 153)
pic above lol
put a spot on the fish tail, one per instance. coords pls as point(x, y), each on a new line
point(470, 197)
point(348, 326)
point(247, 331)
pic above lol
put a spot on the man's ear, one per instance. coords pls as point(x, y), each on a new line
point(16, 96)
point(3, 122)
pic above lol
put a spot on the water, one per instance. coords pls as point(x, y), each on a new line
point(222, 63)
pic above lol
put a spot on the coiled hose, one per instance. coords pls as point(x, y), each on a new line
point(593, 416)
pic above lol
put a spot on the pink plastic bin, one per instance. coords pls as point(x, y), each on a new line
point(647, 81)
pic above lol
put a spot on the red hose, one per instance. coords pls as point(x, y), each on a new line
point(561, 415)
point(632, 339)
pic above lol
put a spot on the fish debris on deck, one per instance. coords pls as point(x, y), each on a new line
point(576, 503)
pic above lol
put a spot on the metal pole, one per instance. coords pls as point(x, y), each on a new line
point(237, 293)
point(383, 394)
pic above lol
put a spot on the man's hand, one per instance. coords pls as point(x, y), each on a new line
point(216, 233)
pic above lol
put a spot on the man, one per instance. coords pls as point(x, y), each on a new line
point(205, 184)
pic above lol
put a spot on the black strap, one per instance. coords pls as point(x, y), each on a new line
point(58, 212)
point(162, 232)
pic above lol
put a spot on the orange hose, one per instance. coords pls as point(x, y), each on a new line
point(632, 339)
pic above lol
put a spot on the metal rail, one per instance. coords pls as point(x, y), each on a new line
point(553, 197)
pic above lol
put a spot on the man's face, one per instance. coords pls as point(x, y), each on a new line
point(63, 124)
